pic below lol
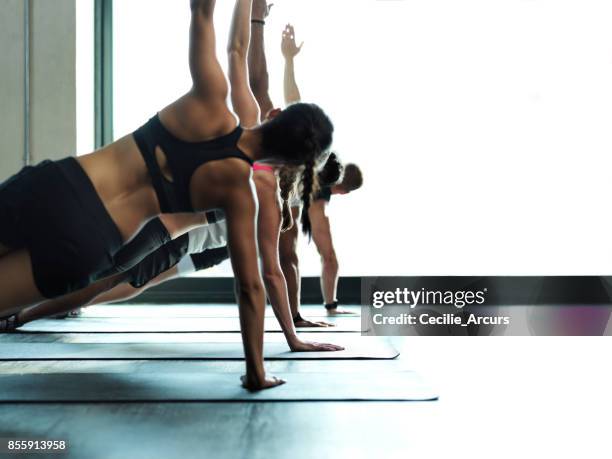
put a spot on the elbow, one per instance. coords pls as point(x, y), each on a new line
point(204, 7)
point(237, 51)
point(330, 261)
point(272, 277)
point(249, 290)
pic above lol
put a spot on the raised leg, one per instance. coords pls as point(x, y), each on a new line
point(68, 302)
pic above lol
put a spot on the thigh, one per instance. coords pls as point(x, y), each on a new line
point(17, 287)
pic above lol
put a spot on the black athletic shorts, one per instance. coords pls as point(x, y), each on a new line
point(53, 210)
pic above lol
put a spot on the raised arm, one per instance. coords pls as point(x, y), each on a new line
point(258, 67)
point(268, 233)
point(243, 102)
point(290, 50)
point(207, 75)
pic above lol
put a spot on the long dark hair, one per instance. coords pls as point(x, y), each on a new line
point(299, 136)
point(332, 171)
point(287, 181)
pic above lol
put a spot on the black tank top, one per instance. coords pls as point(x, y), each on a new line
point(183, 159)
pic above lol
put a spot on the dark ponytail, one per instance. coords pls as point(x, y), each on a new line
point(331, 172)
point(287, 180)
point(297, 134)
point(300, 135)
point(309, 186)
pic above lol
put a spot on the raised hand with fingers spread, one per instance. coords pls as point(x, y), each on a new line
point(288, 45)
point(261, 9)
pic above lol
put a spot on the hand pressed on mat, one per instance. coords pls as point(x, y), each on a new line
point(300, 322)
point(340, 312)
point(310, 346)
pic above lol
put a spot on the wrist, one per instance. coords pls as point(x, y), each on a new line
point(293, 339)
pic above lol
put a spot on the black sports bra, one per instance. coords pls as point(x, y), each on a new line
point(183, 159)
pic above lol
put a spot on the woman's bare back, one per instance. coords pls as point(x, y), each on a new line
point(120, 176)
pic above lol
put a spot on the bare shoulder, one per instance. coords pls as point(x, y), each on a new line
point(229, 172)
point(192, 120)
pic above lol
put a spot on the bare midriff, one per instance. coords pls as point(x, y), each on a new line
point(120, 177)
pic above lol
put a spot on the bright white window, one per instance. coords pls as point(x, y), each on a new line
point(85, 75)
point(482, 127)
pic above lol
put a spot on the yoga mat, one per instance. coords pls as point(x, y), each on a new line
point(201, 387)
point(312, 312)
point(377, 367)
point(172, 325)
point(368, 350)
point(160, 338)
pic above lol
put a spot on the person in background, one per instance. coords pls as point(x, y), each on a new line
point(334, 180)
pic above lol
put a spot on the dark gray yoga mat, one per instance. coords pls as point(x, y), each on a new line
point(313, 312)
point(171, 325)
point(368, 350)
point(174, 387)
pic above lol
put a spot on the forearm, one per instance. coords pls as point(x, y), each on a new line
point(251, 303)
point(258, 69)
point(329, 281)
point(291, 272)
point(276, 287)
point(292, 92)
point(240, 33)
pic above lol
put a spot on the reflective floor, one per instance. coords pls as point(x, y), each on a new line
point(228, 429)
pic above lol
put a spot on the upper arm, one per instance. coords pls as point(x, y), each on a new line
point(321, 229)
point(241, 211)
point(243, 101)
point(269, 221)
point(207, 75)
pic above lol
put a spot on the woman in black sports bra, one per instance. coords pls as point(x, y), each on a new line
point(61, 223)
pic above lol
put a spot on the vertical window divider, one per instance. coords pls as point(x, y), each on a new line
point(27, 154)
point(103, 71)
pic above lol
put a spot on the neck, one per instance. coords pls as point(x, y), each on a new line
point(250, 144)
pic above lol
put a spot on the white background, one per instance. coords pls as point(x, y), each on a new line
point(509, 398)
point(85, 76)
point(482, 127)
